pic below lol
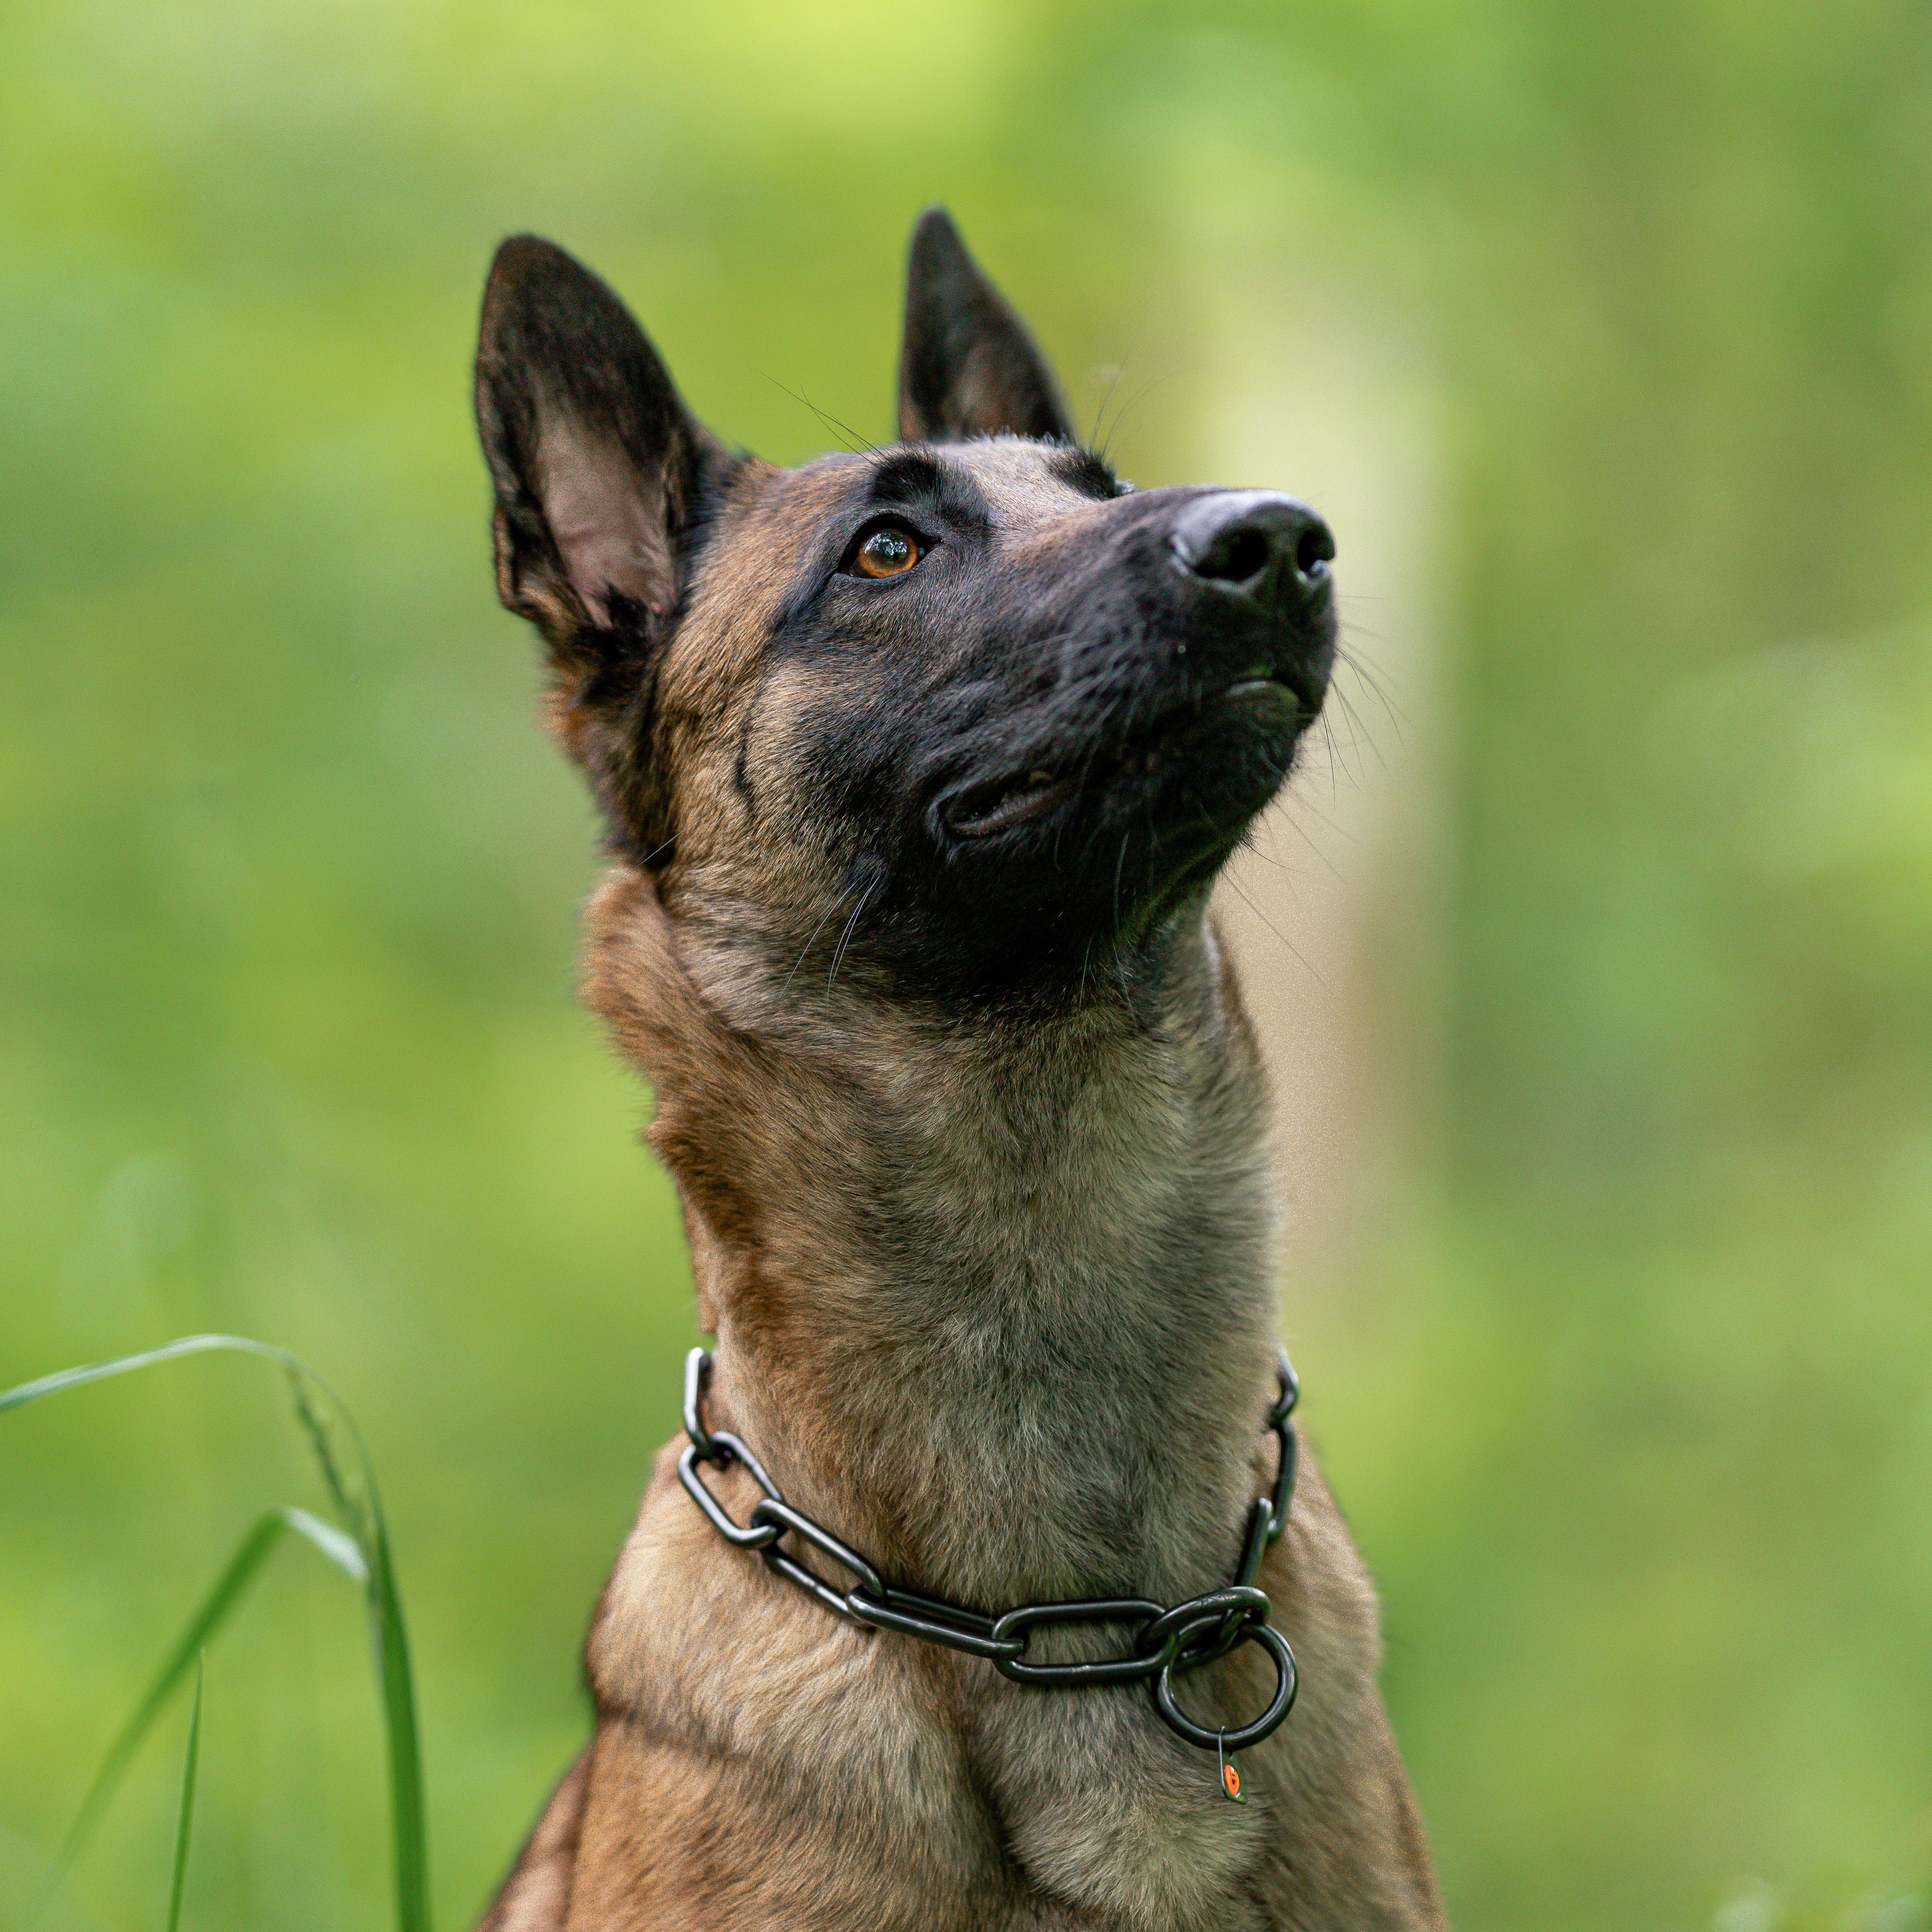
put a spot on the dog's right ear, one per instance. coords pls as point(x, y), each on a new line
point(596, 462)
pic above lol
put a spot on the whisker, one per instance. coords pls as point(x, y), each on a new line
point(813, 941)
point(1328, 738)
point(1356, 726)
point(1302, 832)
point(1100, 415)
point(1357, 662)
point(1236, 886)
point(857, 445)
point(1321, 818)
point(1139, 396)
point(845, 937)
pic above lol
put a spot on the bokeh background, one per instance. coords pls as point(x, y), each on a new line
point(1596, 946)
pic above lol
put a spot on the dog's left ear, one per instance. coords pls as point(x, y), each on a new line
point(969, 367)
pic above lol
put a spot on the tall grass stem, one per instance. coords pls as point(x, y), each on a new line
point(360, 1548)
point(186, 1823)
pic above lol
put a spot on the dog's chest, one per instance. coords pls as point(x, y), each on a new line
point(749, 1736)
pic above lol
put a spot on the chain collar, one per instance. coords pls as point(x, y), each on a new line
point(1165, 1643)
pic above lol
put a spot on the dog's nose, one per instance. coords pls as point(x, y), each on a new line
point(1256, 544)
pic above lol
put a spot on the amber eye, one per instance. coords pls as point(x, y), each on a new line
point(886, 552)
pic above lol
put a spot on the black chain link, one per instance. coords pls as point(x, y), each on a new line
point(1165, 1643)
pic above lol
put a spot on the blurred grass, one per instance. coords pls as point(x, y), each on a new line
point(1631, 1401)
point(357, 1543)
point(185, 1830)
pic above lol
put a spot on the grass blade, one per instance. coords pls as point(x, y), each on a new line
point(183, 1828)
point(188, 1344)
point(409, 1826)
point(213, 1611)
point(230, 1587)
point(363, 1512)
point(342, 1551)
point(317, 1407)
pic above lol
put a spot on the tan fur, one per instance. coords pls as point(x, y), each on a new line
point(995, 1301)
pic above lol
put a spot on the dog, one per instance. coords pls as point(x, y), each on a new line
point(917, 766)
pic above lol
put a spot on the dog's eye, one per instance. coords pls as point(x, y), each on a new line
point(889, 551)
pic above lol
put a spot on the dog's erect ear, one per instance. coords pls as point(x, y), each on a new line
point(596, 461)
point(968, 367)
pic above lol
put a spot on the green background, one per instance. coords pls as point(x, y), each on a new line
point(1628, 1393)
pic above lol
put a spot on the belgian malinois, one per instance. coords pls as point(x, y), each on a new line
point(918, 766)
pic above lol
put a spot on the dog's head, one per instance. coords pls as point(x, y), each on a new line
point(967, 715)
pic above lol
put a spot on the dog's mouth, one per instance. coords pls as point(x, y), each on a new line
point(1003, 804)
point(982, 810)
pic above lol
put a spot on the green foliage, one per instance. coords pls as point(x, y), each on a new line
point(184, 1829)
point(1627, 1386)
point(361, 1551)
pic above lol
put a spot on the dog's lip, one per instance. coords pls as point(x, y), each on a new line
point(982, 810)
point(1000, 804)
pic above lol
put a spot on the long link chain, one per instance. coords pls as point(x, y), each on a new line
point(1163, 1643)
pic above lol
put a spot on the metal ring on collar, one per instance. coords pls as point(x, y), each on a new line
point(1178, 1720)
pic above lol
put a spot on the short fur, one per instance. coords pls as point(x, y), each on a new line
point(907, 928)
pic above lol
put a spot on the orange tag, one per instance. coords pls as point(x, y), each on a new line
point(1230, 1782)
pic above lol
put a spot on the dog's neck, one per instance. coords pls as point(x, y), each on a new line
point(994, 1300)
